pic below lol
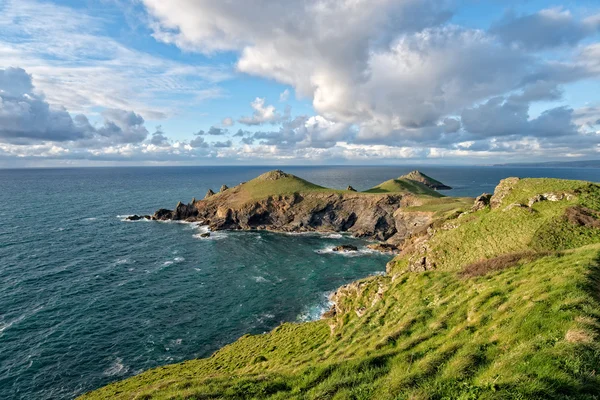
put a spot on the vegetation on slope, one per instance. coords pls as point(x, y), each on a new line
point(504, 315)
point(402, 185)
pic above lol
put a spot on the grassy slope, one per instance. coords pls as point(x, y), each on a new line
point(402, 185)
point(529, 331)
point(489, 233)
point(287, 184)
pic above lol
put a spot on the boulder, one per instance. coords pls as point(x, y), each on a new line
point(163, 214)
point(481, 202)
point(205, 235)
point(345, 248)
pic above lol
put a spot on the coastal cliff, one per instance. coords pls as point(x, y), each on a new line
point(498, 299)
point(282, 202)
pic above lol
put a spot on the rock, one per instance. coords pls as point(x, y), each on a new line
point(344, 248)
point(550, 197)
point(350, 189)
point(481, 202)
point(502, 190)
point(210, 193)
point(223, 188)
point(193, 200)
point(205, 235)
point(163, 215)
point(384, 248)
point(185, 212)
point(133, 218)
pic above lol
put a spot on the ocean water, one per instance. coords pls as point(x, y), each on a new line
point(87, 298)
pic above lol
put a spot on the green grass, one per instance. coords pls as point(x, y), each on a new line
point(402, 185)
point(526, 332)
point(522, 325)
point(490, 233)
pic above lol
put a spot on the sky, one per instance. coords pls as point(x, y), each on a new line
point(288, 82)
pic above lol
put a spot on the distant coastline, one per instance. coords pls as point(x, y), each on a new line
point(555, 164)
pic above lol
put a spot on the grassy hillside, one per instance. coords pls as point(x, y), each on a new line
point(402, 185)
point(511, 311)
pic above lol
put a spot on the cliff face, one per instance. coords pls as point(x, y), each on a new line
point(282, 202)
point(362, 215)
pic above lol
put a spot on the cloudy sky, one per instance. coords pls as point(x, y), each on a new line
point(205, 82)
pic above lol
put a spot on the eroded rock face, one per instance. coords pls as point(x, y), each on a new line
point(384, 248)
point(502, 190)
point(362, 215)
point(481, 202)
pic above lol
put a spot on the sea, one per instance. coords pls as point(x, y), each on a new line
point(88, 298)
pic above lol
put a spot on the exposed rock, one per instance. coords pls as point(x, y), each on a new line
point(138, 217)
point(205, 235)
point(481, 202)
point(550, 197)
point(344, 248)
point(502, 190)
point(163, 215)
point(273, 175)
point(193, 200)
point(350, 189)
point(223, 188)
point(418, 176)
point(384, 248)
point(210, 193)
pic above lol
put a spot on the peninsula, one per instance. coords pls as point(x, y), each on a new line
point(490, 298)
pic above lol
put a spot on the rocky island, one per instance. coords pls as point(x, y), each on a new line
point(489, 298)
point(282, 202)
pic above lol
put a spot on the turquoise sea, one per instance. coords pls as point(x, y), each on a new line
point(87, 298)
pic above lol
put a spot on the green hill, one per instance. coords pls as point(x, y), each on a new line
point(403, 185)
point(506, 306)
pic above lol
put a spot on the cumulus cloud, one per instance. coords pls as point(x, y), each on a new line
point(262, 114)
point(213, 131)
point(223, 144)
point(227, 122)
point(159, 138)
point(545, 29)
point(26, 117)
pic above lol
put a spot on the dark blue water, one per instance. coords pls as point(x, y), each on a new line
point(86, 299)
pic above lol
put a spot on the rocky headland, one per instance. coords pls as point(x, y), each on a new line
point(285, 203)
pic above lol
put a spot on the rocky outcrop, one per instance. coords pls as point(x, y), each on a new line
point(481, 202)
point(210, 193)
point(223, 188)
point(137, 217)
point(350, 189)
point(502, 190)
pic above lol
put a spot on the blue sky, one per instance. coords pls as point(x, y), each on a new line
point(198, 82)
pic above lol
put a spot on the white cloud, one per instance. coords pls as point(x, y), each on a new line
point(80, 68)
point(262, 114)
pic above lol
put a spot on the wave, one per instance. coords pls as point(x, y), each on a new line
point(204, 229)
point(260, 279)
point(315, 311)
point(116, 368)
point(361, 252)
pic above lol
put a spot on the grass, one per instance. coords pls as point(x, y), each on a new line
point(511, 312)
point(524, 332)
point(277, 183)
point(402, 185)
